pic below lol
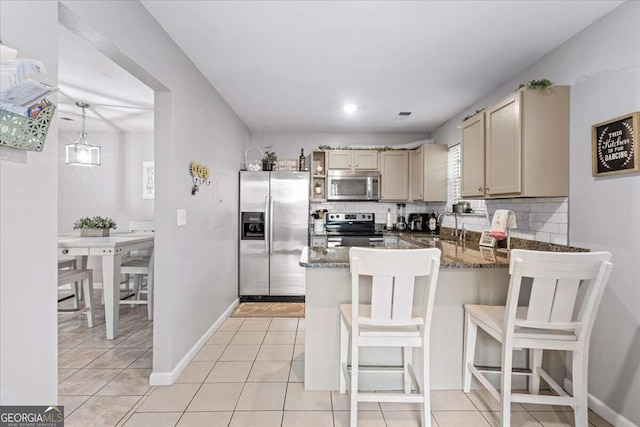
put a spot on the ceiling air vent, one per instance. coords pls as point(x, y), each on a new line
point(69, 119)
point(404, 113)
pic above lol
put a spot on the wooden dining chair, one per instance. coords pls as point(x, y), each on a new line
point(86, 278)
point(389, 321)
point(565, 294)
point(71, 264)
point(139, 268)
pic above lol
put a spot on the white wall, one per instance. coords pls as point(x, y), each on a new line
point(602, 63)
point(288, 145)
point(28, 226)
point(113, 189)
point(196, 265)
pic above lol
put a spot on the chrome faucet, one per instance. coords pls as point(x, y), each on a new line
point(455, 217)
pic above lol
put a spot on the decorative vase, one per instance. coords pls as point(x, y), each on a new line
point(267, 166)
point(94, 232)
point(318, 190)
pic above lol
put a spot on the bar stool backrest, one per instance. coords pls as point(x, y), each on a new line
point(393, 278)
point(557, 300)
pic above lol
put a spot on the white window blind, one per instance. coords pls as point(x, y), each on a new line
point(453, 194)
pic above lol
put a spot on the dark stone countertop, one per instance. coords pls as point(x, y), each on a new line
point(455, 254)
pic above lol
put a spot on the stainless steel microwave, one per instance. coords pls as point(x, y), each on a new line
point(349, 185)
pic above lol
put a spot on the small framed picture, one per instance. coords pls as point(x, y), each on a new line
point(148, 181)
point(487, 240)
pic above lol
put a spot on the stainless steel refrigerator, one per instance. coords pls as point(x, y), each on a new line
point(274, 224)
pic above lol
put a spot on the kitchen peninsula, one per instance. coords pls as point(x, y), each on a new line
point(469, 274)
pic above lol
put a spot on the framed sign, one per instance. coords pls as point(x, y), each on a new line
point(148, 181)
point(614, 146)
point(487, 240)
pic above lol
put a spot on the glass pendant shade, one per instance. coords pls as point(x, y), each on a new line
point(82, 152)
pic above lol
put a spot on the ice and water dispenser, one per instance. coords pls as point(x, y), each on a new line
point(252, 226)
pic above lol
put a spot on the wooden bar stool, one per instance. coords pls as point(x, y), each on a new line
point(86, 277)
point(555, 319)
point(389, 321)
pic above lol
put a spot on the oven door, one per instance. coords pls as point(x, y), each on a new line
point(345, 185)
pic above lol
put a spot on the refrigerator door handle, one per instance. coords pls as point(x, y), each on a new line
point(271, 225)
point(266, 222)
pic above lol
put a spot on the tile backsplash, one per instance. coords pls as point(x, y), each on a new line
point(377, 208)
point(541, 219)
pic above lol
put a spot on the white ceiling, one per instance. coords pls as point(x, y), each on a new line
point(290, 66)
point(119, 102)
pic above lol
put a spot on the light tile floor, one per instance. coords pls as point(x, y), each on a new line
point(249, 374)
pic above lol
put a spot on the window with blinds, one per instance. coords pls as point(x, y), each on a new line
point(453, 194)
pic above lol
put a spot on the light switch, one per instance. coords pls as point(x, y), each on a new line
point(182, 217)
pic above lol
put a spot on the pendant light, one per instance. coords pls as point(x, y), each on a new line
point(82, 152)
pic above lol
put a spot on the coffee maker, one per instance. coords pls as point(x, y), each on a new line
point(416, 222)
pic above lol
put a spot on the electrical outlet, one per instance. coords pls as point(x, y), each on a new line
point(182, 217)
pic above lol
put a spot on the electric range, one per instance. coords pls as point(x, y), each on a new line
point(352, 229)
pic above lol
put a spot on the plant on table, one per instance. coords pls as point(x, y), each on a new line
point(87, 226)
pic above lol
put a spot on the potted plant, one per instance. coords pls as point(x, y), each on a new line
point(268, 160)
point(94, 227)
point(318, 187)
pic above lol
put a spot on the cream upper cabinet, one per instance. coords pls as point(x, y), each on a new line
point(526, 147)
point(503, 147)
point(365, 160)
point(472, 157)
point(428, 173)
point(340, 159)
point(417, 174)
point(353, 159)
point(394, 175)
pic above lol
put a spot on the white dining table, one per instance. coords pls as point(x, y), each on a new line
point(110, 249)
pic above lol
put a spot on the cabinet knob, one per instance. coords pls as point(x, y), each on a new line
point(65, 251)
point(486, 188)
point(479, 188)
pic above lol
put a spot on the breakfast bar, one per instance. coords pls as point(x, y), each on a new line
point(469, 274)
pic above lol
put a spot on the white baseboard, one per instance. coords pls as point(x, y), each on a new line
point(168, 378)
point(601, 408)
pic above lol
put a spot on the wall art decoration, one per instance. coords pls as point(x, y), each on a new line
point(148, 181)
point(615, 145)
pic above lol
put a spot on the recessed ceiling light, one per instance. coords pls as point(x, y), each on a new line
point(350, 108)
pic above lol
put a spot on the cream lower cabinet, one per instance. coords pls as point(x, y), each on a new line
point(394, 175)
point(526, 147)
point(428, 173)
point(353, 159)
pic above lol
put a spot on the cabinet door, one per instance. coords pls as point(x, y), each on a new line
point(395, 175)
point(417, 174)
point(472, 157)
point(340, 159)
point(504, 144)
point(366, 160)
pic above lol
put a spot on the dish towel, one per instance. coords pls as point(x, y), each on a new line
point(502, 220)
